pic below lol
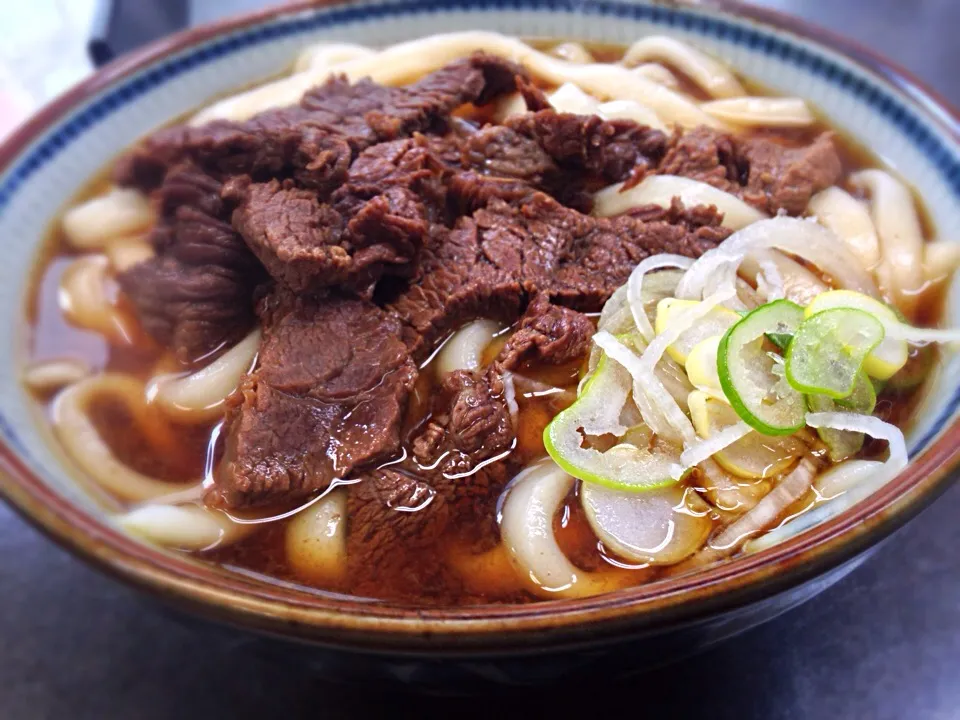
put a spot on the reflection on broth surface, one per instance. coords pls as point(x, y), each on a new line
point(473, 331)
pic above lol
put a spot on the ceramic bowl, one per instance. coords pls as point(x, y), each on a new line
point(50, 158)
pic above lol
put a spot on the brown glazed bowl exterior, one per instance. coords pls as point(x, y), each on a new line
point(451, 649)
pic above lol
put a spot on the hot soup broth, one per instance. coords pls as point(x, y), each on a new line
point(324, 347)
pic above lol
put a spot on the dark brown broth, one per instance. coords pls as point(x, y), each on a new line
point(182, 456)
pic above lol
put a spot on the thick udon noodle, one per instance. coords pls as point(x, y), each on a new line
point(882, 232)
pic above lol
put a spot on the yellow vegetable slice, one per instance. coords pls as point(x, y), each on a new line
point(716, 322)
point(754, 456)
point(702, 367)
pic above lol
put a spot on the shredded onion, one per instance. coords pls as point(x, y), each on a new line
point(698, 452)
point(858, 477)
point(635, 287)
point(872, 426)
point(804, 238)
point(783, 276)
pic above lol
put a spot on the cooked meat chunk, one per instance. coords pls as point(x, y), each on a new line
point(547, 333)
point(389, 509)
point(703, 154)
point(315, 141)
point(488, 264)
point(462, 449)
point(456, 284)
point(610, 150)
point(767, 174)
point(702, 220)
point(783, 178)
point(374, 224)
point(307, 244)
point(196, 295)
point(327, 396)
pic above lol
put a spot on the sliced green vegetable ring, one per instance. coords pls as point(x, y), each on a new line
point(749, 373)
point(597, 411)
point(828, 351)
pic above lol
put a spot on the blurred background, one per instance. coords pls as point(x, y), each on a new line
point(883, 643)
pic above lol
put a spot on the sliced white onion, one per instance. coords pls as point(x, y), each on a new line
point(849, 482)
point(184, 527)
point(849, 218)
point(874, 427)
point(119, 212)
point(657, 407)
point(804, 238)
point(764, 514)
point(796, 282)
point(695, 454)
point(464, 349)
point(199, 396)
point(894, 213)
point(657, 527)
point(762, 111)
point(316, 538)
point(709, 74)
point(662, 189)
point(634, 292)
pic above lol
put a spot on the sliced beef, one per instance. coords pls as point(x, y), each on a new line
point(770, 175)
point(316, 140)
point(705, 221)
point(402, 519)
point(610, 150)
point(374, 224)
point(576, 259)
point(327, 396)
point(196, 295)
point(547, 333)
point(488, 264)
point(395, 523)
point(703, 154)
point(456, 284)
point(461, 452)
point(784, 178)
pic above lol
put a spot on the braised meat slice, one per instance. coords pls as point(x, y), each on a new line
point(610, 150)
point(768, 174)
point(488, 264)
point(547, 333)
point(785, 178)
point(703, 154)
point(374, 224)
point(327, 397)
point(196, 295)
point(396, 521)
point(315, 141)
point(456, 284)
